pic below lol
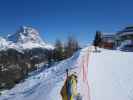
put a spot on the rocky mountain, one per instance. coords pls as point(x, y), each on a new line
point(27, 38)
point(20, 53)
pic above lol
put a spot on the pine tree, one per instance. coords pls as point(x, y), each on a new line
point(97, 41)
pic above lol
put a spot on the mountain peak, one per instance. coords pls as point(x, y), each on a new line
point(28, 37)
point(28, 30)
point(26, 34)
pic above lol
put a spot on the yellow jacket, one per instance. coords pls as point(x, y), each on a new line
point(74, 88)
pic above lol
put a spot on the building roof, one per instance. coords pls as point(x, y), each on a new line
point(126, 31)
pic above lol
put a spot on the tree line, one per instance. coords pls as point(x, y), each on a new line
point(65, 50)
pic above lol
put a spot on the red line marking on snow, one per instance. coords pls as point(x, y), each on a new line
point(88, 57)
point(85, 64)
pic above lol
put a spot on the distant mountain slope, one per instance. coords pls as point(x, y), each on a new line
point(3, 43)
point(24, 38)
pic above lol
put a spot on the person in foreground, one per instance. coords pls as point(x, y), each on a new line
point(69, 89)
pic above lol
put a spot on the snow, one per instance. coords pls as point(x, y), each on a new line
point(42, 85)
point(24, 38)
point(29, 45)
point(109, 77)
point(27, 38)
point(3, 43)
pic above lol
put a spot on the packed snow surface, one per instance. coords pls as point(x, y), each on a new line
point(110, 75)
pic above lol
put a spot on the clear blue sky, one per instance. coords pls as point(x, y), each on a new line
point(58, 18)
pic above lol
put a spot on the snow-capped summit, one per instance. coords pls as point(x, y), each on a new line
point(26, 34)
point(28, 37)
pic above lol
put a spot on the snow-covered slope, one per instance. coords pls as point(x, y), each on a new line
point(109, 74)
point(43, 84)
point(3, 43)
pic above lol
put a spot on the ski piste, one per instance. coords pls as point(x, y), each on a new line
point(109, 78)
